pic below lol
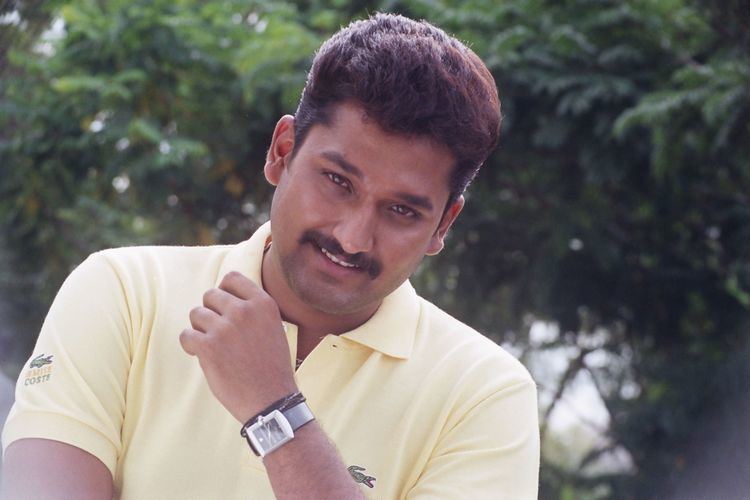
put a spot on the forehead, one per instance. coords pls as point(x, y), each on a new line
point(382, 158)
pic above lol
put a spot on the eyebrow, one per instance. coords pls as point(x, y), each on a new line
point(412, 199)
point(341, 162)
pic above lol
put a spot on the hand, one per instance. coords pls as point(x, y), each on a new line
point(240, 343)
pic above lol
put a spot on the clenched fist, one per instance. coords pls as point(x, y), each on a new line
point(240, 343)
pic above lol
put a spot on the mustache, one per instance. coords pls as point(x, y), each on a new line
point(363, 261)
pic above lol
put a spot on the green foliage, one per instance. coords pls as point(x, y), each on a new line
point(616, 205)
point(139, 122)
point(149, 116)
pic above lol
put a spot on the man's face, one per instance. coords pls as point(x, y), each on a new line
point(355, 210)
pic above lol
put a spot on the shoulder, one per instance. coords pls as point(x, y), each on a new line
point(148, 265)
point(461, 349)
point(139, 277)
point(162, 257)
point(482, 404)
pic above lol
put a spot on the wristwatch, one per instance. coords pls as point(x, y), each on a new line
point(266, 433)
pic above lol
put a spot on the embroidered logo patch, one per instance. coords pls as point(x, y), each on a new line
point(40, 361)
point(40, 370)
point(358, 476)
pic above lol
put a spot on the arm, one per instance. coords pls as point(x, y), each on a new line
point(492, 451)
point(239, 341)
point(51, 470)
point(62, 435)
point(309, 467)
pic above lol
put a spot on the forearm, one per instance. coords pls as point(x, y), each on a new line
point(309, 467)
point(240, 343)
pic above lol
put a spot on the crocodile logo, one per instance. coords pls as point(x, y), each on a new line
point(40, 361)
point(358, 476)
point(40, 370)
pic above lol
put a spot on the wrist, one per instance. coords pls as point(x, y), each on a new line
point(280, 404)
point(261, 396)
point(276, 424)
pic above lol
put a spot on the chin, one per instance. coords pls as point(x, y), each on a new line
point(333, 303)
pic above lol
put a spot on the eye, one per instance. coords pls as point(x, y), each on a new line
point(404, 211)
point(338, 179)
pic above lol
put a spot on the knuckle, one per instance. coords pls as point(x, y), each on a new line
point(185, 341)
point(194, 312)
point(210, 295)
point(231, 277)
point(262, 299)
point(265, 300)
point(237, 309)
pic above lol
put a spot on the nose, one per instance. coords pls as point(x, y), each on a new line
point(355, 230)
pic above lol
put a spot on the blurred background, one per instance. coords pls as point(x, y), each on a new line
point(606, 243)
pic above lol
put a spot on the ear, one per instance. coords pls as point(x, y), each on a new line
point(279, 154)
point(437, 241)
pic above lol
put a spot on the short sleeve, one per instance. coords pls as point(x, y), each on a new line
point(491, 453)
point(72, 388)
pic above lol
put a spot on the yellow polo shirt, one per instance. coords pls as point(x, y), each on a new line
point(419, 405)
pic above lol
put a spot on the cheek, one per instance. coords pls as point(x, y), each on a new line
point(407, 255)
point(297, 203)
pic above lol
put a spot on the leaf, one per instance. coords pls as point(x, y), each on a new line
point(80, 83)
point(144, 129)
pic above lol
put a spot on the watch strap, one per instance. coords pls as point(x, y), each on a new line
point(298, 415)
point(282, 404)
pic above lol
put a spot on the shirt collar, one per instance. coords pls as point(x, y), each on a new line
point(247, 257)
point(390, 330)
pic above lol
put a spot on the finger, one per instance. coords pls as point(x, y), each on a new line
point(218, 300)
point(192, 341)
point(240, 285)
point(203, 318)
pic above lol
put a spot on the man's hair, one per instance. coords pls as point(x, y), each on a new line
point(412, 79)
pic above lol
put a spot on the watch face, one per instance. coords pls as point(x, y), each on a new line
point(269, 434)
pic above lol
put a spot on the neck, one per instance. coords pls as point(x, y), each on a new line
point(311, 322)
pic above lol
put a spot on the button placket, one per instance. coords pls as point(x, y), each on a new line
point(291, 337)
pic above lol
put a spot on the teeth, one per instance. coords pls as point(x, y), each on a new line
point(335, 259)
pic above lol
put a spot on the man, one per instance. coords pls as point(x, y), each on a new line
point(151, 359)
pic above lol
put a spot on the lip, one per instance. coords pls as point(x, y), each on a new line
point(337, 260)
point(332, 269)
